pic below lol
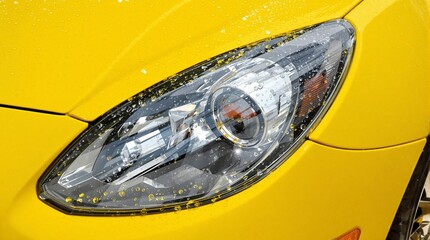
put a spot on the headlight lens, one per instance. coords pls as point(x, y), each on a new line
point(205, 133)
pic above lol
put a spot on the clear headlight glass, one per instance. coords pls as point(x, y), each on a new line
point(205, 133)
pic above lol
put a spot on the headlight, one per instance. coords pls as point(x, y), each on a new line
point(205, 133)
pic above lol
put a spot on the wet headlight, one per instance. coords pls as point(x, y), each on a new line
point(205, 133)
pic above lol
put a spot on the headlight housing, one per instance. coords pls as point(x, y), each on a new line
point(205, 133)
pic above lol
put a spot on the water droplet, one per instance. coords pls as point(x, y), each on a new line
point(141, 103)
point(121, 193)
point(105, 194)
point(302, 126)
point(69, 199)
point(95, 199)
point(178, 208)
point(79, 200)
point(273, 92)
point(150, 197)
point(81, 195)
point(180, 191)
point(260, 86)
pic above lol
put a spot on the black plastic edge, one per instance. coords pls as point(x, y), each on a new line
point(405, 214)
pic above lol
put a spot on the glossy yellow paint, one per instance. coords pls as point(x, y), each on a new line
point(27, 141)
point(64, 55)
point(385, 99)
point(83, 58)
point(330, 189)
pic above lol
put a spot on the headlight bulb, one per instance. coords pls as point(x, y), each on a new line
point(252, 105)
point(238, 118)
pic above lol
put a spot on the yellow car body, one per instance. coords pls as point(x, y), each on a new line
point(65, 63)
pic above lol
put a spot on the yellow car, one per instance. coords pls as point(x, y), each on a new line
point(220, 119)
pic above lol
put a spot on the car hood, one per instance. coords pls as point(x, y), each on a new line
point(58, 56)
